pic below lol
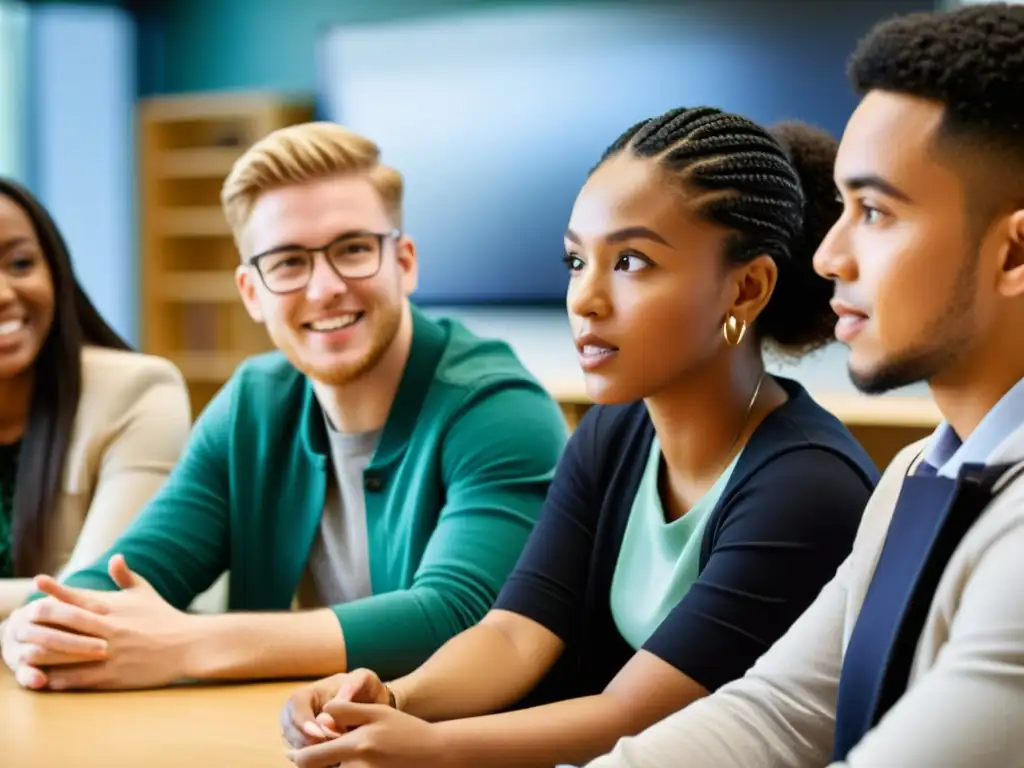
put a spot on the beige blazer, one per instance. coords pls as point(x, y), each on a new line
point(963, 706)
point(133, 420)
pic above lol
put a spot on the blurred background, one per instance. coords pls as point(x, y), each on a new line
point(124, 117)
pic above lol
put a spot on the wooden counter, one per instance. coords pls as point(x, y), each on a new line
point(231, 726)
point(883, 425)
point(853, 409)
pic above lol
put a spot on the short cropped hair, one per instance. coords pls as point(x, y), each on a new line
point(302, 153)
point(971, 60)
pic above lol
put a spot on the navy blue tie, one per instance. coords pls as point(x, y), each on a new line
point(914, 525)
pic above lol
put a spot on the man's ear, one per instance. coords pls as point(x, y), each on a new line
point(408, 263)
point(1011, 280)
point(247, 288)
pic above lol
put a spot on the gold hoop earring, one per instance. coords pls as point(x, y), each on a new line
point(733, 330)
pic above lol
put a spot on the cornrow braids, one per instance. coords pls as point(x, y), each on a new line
point(754, 182)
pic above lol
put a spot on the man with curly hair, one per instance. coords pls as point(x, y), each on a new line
point(913, 655)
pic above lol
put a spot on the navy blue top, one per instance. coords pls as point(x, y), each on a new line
point(784, 523)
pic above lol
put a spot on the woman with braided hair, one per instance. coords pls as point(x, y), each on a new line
point(701, 504)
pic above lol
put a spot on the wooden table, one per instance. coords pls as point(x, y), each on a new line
point(210, 726)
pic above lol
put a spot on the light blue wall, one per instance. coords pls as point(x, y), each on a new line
point(13, 77)
point(82, 147)
point(496, 120)
point(229, 44)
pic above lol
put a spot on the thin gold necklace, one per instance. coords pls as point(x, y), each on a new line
point(743, 425)
point(746, 416)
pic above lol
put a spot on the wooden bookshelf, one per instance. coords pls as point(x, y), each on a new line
point(191, 311)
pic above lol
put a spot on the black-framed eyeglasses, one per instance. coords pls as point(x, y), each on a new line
point(353, 256)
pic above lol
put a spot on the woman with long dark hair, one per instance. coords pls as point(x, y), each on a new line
point(89, 429)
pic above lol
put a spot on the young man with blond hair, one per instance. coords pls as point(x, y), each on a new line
point(380, 472)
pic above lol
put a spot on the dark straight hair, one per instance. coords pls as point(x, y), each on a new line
point(57, 386)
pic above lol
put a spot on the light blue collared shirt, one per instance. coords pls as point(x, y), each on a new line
point(947, 453)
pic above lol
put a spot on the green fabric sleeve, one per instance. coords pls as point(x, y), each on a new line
point(498, 458)
point(179, 541)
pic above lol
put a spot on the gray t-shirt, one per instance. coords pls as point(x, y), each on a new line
point(338, 569)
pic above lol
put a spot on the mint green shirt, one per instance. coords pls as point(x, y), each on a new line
point(658, 561)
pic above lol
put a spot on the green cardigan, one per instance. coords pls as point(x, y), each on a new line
point(452, 493)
